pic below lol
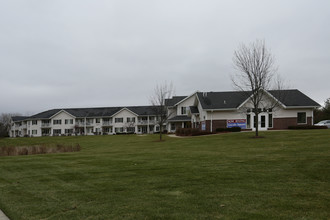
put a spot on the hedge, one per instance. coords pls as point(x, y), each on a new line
point(232, 129)
point(190, 132)
point(307, 127)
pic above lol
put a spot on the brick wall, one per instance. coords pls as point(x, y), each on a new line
point(215, 124)
point(284, 123)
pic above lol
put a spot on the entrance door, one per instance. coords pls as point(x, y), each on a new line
point(262, 122)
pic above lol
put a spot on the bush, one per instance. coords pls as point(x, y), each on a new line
point(232, 129)
point(297, 127)
point(190, 132)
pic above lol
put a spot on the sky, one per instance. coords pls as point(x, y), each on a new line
point(87, 53)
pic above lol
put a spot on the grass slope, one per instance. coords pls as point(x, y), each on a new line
point(285, 175)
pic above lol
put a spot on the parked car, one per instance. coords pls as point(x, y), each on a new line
point(324, 123)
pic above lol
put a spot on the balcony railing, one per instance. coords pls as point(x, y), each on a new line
point(107, 123)
point(83, 124)
point(45, 125)
point(145, 122)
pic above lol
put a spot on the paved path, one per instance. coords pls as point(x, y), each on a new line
point(3, 216)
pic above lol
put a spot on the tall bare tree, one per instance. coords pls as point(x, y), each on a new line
point(157, 100)
point(256, 75)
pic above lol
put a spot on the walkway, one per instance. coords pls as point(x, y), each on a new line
point(3, 216)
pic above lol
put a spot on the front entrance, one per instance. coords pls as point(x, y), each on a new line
point(262, 122)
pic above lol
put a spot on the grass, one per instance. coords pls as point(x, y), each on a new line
point(285, 175)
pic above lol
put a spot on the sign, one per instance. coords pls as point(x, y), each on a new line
point(203, 126)
point(236, 123)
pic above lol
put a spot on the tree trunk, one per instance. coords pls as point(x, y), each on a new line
point(160, 132)
point(257, 123)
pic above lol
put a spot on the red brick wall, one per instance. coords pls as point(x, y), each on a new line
point(284, 123)
point(215, 124)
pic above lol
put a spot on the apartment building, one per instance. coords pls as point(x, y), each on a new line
point(204, 110)
point(86, 121)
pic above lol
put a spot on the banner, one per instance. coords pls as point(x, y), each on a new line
point(236, 123)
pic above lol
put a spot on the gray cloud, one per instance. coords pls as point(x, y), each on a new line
point(107, 53)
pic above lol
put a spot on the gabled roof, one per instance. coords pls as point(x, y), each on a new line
point(221, 100)
point(174, 100)
point(231, 100)
point(293, 98)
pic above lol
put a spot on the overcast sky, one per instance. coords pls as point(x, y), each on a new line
point(79, 53)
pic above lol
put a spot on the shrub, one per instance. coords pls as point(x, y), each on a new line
point(199, 133)
point(232, 129)
point(307, 127)
point(190, 132)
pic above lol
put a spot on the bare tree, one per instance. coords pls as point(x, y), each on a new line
point(5, 124)
point(129, 125)
point(157, 100)
point(256, 75)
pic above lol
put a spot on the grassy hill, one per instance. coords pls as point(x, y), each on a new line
point(285, 175)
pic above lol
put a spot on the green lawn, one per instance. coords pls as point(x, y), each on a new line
point(285, 175)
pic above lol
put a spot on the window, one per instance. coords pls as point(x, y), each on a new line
point(119, 120)
point(270, 120)
point(69, 121)
point(34, 132)
point(57, 122)
point(106, 130)
point(183, 110)
point(248, 121)
point(97, 120)
point(131, 119)
point(301, 117)
point(89, 120)
point(34, 122)
point(263, 121)
point(119, 130)
point(57, 131)
point(68, 131)
point(131, 130)
point(172, 126)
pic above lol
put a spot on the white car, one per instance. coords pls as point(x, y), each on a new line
point(324, 123)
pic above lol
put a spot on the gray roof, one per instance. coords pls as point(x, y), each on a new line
point(180, 118)
point(19, 118)
point(231, 100)
point(194, 110)
point(96, 112)
point(221, 100)
point(174, 100)
point(293, 98)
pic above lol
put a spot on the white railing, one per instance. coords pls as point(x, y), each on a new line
point(145, 122)
point(107, 123)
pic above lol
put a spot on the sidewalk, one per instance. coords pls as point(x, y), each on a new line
point(3, 216)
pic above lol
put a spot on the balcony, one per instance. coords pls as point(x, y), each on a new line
point(146, 122)
point(107, 123)
point(83, 124)
point(45, 125)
